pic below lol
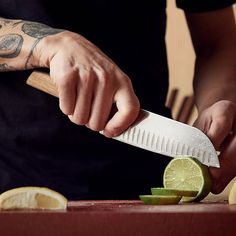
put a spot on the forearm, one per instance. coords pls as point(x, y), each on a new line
point(215, 76)
point(214, 35)
point(215, 92)
point(18, 43)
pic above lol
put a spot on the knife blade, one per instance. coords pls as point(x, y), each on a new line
point(151, 131)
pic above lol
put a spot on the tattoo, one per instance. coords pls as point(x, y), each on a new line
point(12, 23)
point(38, 30)
point(10, 45)
point(5, 67)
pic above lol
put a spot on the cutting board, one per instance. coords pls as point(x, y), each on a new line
point(111, 218)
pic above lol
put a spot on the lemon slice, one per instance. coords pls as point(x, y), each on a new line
point(173, 192)
point(32, 198)
point(159, 200)
point(188, 173)
point(232, 194)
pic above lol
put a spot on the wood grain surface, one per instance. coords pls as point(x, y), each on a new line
point(111, 218)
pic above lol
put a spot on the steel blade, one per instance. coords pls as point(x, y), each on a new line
point(169, 137)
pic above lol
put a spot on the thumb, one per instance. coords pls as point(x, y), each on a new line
point(127, 111)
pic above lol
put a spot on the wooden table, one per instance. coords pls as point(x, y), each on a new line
point(109, 218)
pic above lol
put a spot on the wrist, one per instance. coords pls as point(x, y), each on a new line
point(40, 49)
point(49, 46)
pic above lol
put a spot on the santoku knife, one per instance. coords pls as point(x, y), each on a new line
point(152, 132)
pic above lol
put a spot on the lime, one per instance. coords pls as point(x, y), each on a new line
point(159, 200)
point(187, 173)
point(173, 192)
point(232, 194)
point(32, 198)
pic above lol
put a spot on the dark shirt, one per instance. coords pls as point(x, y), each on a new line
point(40, 146)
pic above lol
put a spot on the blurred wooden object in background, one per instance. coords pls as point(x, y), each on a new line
point(185, 108)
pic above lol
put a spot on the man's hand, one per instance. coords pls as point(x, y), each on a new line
point(218, 122)
point(88, 83)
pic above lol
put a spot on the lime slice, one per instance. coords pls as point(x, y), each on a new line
point(32, 198)
point(232, 194)
point(188, 173)
point(173, 192)
point(159, 200)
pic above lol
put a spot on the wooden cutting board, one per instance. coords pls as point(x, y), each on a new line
point(110, 218)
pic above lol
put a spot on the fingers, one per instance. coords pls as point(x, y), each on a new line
point(84, 95)
point(105, 94)
point(89, 83)
point(66, 84)
point(87, 98)
point(217, 122)
point(102, 103)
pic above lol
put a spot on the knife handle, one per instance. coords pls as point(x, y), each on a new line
point(43, 82)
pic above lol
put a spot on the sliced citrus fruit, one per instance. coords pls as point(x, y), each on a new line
point(187, 173)
point(232, 194)
point(159, 200)
point(173, 192)
point(32, 198)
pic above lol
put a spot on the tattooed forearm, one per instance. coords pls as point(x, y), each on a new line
point(10, 45)
point(38, 30)
point(18, 40)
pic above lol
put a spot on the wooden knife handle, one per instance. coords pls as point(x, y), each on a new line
point(43, 82)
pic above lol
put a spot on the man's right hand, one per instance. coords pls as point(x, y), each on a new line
point(88, 83)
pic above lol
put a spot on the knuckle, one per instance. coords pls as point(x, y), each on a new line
point(126, 80)
point(135, 105)
point(105, 75)
point(86, 79)
point(103, 78)
point(133, 108)
point(102, 74)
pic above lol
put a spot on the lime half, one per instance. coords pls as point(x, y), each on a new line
point(188, 173)
point(173, 192)
point(159, 200)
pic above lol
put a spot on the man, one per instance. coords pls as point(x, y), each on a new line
point(40, 146)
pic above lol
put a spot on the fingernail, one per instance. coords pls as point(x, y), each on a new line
point(107, 134)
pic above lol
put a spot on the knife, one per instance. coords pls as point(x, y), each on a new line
point(151, 131)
